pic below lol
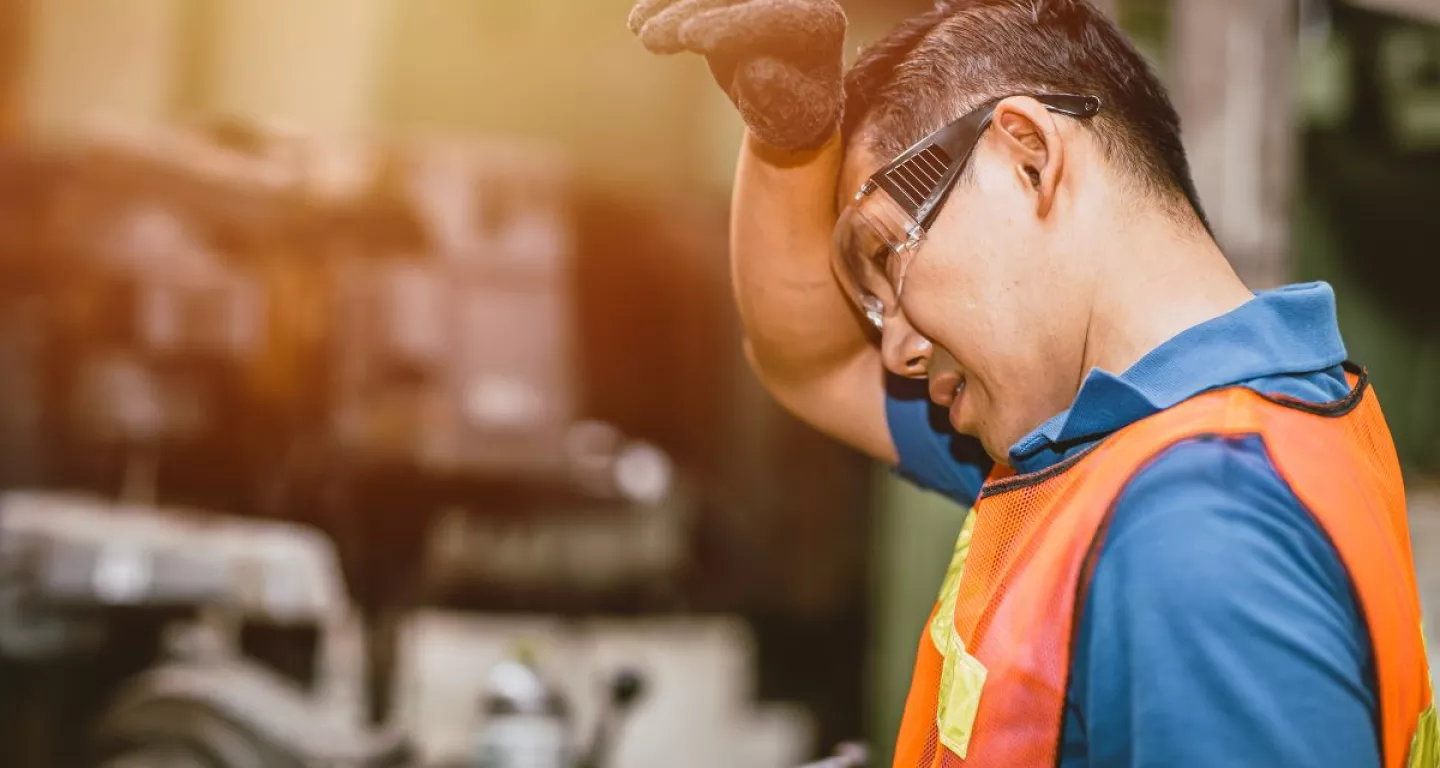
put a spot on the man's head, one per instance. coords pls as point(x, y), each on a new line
point(998, 297)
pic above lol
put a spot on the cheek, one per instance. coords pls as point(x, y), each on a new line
point(950, 290)
point(966, 289)
point(937, 297)
point(982, 322)
point(986, 268)
point(942, 305)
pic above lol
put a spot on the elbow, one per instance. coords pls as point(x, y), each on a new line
point(758, 367)
point(795, 384)
point(775, 375)
point(784, 382)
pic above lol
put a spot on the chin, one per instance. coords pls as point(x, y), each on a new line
point(997, 454)
point(995, 447)
point(996, 442)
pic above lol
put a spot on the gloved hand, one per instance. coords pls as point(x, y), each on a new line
point(780, 61)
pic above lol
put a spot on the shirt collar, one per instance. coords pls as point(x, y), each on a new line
point(1292, 330)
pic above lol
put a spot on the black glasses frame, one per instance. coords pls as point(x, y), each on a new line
point(921, 178)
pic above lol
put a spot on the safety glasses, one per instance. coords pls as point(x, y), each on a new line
point(879, 232)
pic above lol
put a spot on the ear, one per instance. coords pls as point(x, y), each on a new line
point(1030, 137)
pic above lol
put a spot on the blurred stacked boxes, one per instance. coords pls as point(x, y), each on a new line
point(460, 358)
point(408, 301)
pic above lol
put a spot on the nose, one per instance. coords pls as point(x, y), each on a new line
point(905, 352)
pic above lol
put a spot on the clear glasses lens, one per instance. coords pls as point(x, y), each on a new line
point(874, 241)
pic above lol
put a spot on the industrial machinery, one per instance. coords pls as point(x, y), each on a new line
point(72, 570)
point(239, 319)
point(364, 362)
point(372, 344)
point(74, 573)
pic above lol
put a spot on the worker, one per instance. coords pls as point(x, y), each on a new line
point(1189, 544)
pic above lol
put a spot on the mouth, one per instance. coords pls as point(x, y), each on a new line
point(946, 389)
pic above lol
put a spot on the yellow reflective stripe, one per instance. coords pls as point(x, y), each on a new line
point(1425, 747)
point(962, 680)
point(962, 677)
point(942, 626)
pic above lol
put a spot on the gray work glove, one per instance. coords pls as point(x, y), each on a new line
point(780, 61)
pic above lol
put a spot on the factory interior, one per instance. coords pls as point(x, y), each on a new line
point(356, 354)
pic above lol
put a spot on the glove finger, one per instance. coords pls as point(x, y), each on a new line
point(786, 106)
point(789, 28)
point(644, 11)
point(660, 33)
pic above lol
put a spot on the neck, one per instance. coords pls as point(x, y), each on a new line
point(1162, 279)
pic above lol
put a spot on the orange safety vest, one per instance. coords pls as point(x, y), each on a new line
point(991, 675)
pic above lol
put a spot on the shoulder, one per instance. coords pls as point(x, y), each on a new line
point(1216, 593)
point(1213, 515)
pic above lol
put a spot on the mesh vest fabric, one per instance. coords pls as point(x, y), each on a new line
point(1018, 591)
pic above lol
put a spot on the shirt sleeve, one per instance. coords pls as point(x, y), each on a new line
point(932, 454)
point(1220, 627)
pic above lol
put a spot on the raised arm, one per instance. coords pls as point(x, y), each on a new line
point(802, 338)
point(780, 61)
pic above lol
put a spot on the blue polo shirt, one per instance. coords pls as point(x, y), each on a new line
point(1220, 628)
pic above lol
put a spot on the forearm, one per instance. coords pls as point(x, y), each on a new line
point(797, 323)
point(802, 338)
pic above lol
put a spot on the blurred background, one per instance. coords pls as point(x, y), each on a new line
point(370, 392)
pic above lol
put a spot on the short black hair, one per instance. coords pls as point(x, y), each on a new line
point(937, 66)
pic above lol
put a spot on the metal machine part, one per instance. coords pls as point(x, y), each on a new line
point(525, 720)
point(233, 714)
point(70, 562)
point(697, 706)
point(580, 550)
point(618, 516)
point(77, 550)
point(626, 689)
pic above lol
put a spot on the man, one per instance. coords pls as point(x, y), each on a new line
point(1191, 547)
